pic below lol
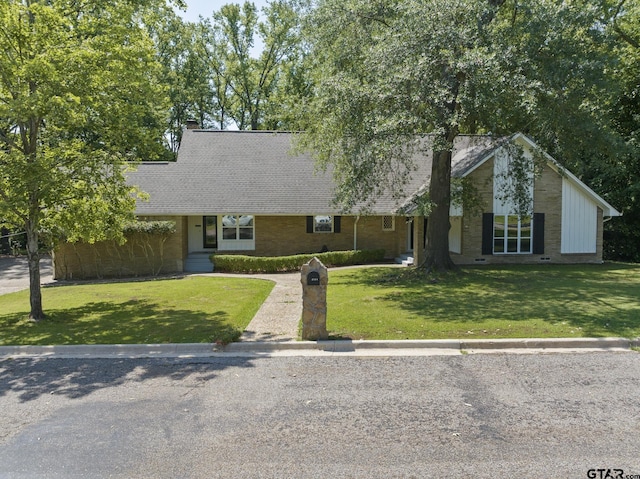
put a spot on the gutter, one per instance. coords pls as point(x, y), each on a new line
point(355, 233)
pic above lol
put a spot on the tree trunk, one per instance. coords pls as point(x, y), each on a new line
point(437, 256)
point(33, 257)
point(254, 120)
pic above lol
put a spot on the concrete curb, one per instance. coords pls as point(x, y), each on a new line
point(441, 344)
point(549, 343)
point(292, 348)
point(339, 345)
point(110, 350)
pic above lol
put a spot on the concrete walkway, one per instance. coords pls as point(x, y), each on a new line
point(279, 316)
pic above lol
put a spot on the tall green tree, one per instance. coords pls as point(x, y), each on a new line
point(617, 176)
point(240, 68)
point(389, 72)
point(563, 54)
point(78, 99)
point(246, 81)
point(185, 56)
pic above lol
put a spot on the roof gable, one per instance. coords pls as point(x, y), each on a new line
point(234, 172)
point(479, 156)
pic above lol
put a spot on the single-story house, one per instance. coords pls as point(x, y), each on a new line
point(244, 192)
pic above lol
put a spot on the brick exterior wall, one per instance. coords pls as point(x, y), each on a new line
point(547, 199)
point(275, 236)
point(108, 259)
point(471, 249)
point(286, 235)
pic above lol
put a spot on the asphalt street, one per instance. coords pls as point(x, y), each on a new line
point(480, 416)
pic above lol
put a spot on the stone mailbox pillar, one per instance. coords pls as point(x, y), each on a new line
point(314, 300)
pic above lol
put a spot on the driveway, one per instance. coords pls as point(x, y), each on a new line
point(14, 273)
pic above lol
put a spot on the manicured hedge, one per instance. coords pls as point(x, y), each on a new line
point(230, 263)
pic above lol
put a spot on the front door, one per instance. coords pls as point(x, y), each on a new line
point(203, 234)
point(409, 234)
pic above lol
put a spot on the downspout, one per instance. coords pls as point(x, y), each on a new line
point(355, 233)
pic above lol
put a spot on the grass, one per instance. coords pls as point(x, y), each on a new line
point(486, 302)
point(189, 310)
point(370, 303)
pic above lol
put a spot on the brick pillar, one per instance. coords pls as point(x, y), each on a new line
point(314, 300)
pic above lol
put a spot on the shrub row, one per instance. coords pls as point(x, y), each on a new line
point(228, 263)
point(150, 227)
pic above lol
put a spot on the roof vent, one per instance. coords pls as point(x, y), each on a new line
point(192, 125)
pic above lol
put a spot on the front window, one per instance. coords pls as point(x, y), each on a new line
point(512, 234)
point(237, 227)
point(323, 224)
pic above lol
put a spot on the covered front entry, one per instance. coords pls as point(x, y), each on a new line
point(202, 234)
point(202, 240)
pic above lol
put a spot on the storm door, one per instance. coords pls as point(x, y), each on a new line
point(210, 231)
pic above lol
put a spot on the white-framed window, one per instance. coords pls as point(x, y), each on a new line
point(388, 223)
point(237, 227)
point(512, 234)
point(323, 224)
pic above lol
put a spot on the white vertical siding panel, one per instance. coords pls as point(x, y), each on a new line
point(500, 169)
point(455, 235)
point(579, 221)
point(455, 210)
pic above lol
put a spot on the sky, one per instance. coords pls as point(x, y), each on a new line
point(207, 7)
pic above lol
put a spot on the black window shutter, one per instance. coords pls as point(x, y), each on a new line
point(336, 224)
point(424, 232)
point(538, 233)
point(309, 224)
point(487, 233)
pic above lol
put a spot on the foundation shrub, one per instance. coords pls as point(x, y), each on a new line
point(231, 263)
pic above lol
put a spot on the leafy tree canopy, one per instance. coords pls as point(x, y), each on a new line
point(389, 72)
point(615, 176)
point(247, 79)
point(78, 98)
point(242, 68)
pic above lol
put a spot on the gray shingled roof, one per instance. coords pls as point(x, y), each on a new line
point(254, 172)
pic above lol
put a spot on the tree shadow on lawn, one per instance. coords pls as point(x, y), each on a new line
point(109, 323)
point(32, 378)
point(133, 321)
point(591, 298)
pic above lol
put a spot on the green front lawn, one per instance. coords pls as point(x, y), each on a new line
point(368, 303)
point(486, 302)
point(189, 310)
